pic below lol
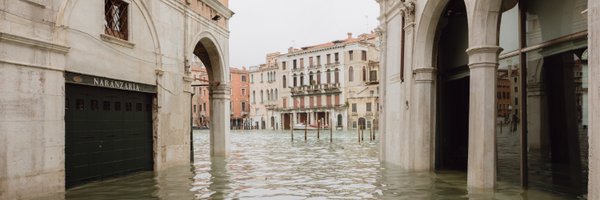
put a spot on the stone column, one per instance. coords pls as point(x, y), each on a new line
point(220, 113)
point(423, 118)
point(594, 99)
point(483, 63)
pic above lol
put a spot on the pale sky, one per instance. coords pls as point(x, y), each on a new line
point(265, 26)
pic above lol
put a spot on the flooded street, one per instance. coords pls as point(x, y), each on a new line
point(268, 165)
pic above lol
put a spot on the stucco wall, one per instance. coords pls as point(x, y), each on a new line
point(594, 99)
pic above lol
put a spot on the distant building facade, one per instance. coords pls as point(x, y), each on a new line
point(310, 85)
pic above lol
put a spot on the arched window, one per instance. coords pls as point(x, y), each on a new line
point(272, 95)
point(301, 79)
point(328, 76)
point(253, 96)
point(295, 80)
point(364, 74)
point(318, 77)
point(339, 120)
point(350, 74)
point(261, 97)
point(310, 78)
point(284, 83)
point(276, 95)
point(337, 75)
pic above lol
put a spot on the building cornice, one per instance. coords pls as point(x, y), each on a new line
point(60, 48)
point(224, 11)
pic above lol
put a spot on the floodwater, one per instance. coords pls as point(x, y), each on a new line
point(268, 165)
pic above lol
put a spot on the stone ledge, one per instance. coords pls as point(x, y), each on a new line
point(34, 42)
point(117, 41)
point(40, 3)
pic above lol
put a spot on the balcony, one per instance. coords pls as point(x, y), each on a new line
point(332, 65)
point(315, 89)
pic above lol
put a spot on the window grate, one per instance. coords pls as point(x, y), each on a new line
point(116, 19)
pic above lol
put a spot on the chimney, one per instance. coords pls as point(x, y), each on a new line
point(349, 35)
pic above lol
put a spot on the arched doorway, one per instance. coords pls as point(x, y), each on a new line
point(362, 123)
point(207, 50)
point(452, 132)
point(339, 121)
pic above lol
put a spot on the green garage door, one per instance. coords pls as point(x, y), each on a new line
point(108, 133)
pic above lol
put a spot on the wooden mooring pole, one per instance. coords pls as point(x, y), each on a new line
point(305, 127)
point(318, 129)
point(330, 131)
point(292, 127)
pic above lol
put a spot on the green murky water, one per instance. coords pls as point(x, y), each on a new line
point(268, 165)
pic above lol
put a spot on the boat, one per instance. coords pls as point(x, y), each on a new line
point(302, 126)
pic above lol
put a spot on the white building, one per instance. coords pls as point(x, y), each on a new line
point(93, 89)
point(309, 85)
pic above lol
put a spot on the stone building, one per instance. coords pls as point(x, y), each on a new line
point(440, 62)
point(240, 97)
point(362, 85)
point(310, 85)
point(265, 94)
point(200, 102)
point(105, 80)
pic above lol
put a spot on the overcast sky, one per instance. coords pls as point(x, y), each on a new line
point(265, 26)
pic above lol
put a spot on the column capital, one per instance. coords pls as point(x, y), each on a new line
point(483, 56)
point(424, 74)
point(408, 11)
point(220, 91)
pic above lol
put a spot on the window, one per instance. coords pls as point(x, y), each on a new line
point(310, 61)
point(94, 105)
point(328, 100)
point(283, 65)
point(106, 105)
point(243, 92)
point(262, 96)
point(117, 106)
point(369, 105)
point(128, 106)
point(310, 78)
point(337, 100)
point(301, 62)
point(351, 54)
point(138, 107)
point(350, 74)
point(204, 106)
point(301, 79)
point(243, 106)
point(243, 78)
point(318, 77)
point(295, 81)
point(284, 81)
point(252, 78)
point(364, 74)
point(115, 13)
point(328, 59)
point(337, 57)
point(295, 64)
point(354, 124)
point(337, 76)
point(364, 55)
point(284, 102)
point(353, 107)
point(318, 60)
point(253, 96)
point(194, 108)
point(79, 104)
point(328, 76)
point(261, 77)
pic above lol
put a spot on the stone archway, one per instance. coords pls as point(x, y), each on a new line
point(207, 50)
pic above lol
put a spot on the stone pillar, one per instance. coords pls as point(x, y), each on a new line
point(594, 99)
point(483, 63)
point(423, 118)
point(220, 113)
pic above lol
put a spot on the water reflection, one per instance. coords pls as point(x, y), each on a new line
point(268, 165)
